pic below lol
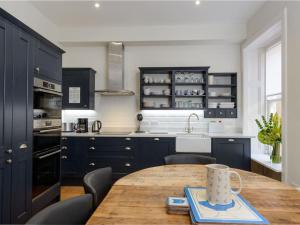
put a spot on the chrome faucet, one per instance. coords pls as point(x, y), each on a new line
point(189, 129)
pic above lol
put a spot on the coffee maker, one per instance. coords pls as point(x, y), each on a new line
point(82, 125)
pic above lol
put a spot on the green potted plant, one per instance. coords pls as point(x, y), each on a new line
point(270, 134)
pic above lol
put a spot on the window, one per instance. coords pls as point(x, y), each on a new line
point(273, 79)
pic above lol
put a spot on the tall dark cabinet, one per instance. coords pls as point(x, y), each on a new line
point(16, 123)
point(17, 58)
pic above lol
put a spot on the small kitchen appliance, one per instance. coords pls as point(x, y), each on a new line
point(139, 117)
point(68, 127)
point(96, 127)
point(82, 125)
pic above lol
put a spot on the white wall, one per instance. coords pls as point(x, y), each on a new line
point(121, 111)
point(28, 14)
point(288, 14)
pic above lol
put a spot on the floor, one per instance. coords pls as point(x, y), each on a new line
point(70, 191)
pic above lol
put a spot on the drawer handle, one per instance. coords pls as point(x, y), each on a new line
point(127, 164)
point(64, 147)
point(92, 164)
point(209, 113)
point(92, 148)
point(92, 139)
point(23, 146)
point(231, 139)
point(127, 148)
point(64, 138)
point(221, 113)
point(64, 157)
point(9, 151)
point(156, 139)
point(127, 139)
point(231, 113)
point(9, 161)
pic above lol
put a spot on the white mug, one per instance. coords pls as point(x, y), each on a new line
point(218, 189)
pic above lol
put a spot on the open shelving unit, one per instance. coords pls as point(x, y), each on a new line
point(185, 84)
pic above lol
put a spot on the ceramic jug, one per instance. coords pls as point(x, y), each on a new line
point(218, 184)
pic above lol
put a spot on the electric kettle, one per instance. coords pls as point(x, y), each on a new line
point(96, 127)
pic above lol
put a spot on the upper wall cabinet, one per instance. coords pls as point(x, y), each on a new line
point(78, 88)
point(48, 62)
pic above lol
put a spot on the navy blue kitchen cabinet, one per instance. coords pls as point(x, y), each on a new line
point(73, 156)
point(151, 151)
point(47, 62)
point(17, 60)
point(82, 82)
point(233, 152)
point(117, 152)
point(5, 120)
point(16, 123)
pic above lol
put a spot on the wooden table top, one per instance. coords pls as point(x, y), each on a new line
point(140, 197)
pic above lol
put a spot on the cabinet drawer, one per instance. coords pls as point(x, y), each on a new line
point(210, 113)
point(118, 164)
point(112, 141)
point(111, 152)
point(231, 113)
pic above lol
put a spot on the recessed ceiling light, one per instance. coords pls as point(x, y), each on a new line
point(97, 5)
point(197, 2)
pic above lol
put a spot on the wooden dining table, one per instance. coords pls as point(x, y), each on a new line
point(140, 198)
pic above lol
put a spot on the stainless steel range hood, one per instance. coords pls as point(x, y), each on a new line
point(115, 68)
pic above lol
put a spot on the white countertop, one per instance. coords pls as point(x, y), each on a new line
point(158, 134)
point(265, 160)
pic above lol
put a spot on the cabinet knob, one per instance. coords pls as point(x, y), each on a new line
point(9, 151)
point(64, 138)
point(209, 113)
point(156, 139)
point(37, 69)
point(231, 139)
point(64, 157)
point(23, 146)
point(92, 139)
point(84, 106)
point(64, 147)
point(127, 148)
point(127, 164)
point(9, 161)
point(92, 164)
point(221, 113)
point(127, 139)
point(92, 148)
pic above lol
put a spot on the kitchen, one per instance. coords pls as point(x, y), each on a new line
point(124, 98)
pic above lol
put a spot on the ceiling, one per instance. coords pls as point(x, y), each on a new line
point(146, 13)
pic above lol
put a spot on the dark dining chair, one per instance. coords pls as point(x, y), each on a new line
point(76, 210)
point(188, 159)
point(98, 183)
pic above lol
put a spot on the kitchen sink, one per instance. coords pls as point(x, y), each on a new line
point(193, 142)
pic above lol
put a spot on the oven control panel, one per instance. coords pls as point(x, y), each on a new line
point(46, 123)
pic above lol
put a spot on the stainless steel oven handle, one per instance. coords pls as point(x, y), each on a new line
point(47, 155)
point(48, 91)
point(50, 130)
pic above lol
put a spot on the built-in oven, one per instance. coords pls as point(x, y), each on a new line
point(46, 143)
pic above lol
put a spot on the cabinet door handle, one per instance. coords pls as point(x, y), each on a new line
point(92, 148)
point(64, 157)
point(156, 139)
point(127, 164)
point(127, 148)
point(127, 139)
point(23, 146)
point(64, 138)
point(64, 147)
point(92, 139)
point(37, 69)
point(9, 161)
point(9, 151)
point(92, 164)
point(231, 139)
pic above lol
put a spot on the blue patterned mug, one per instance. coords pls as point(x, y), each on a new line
point(218, 189)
